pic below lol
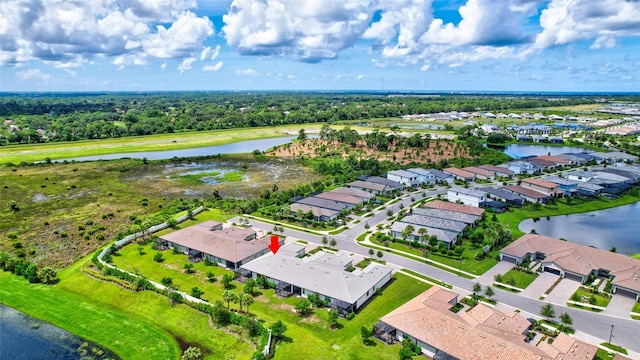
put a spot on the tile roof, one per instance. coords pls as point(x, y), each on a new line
point(439, 174)
point(342, 198)
point(228, 243)
point(555, 159)
point(540, 182)
point(444, 224)
point(322, 273)
point(354, 192)
point(459, 172)
point(427, 318)
point(322, 203)
point(577, 258)
point(478, 171)
point(497, 169)
point(442, 235)
point(444, 205)
point(420, 171)
point(468, 191)
point(541, 162)
point(368, 185)
point(446, 214)
point(317, 211)
point(403, 173)
point(384, 181)
point(501, 193)
point(525, 192)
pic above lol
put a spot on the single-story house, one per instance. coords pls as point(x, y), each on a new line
point(323, 203)
point(406, 178)
point(365, 195)
point(556, 140)
point(580, 175)
point(589, 189)
point(542, 186)
point(503, 195)
point(435, 223)
point(622, 171)
point(572, 159)
point(495, 205)
point(374, 188)
point(498, 170)
point(349, 200)
point(447, 214)
point(229, 247)
point(542, 163)
point(467, 196)
point(321, 273)
point(557, 160)
point(460, 174)
point(614, 157)
point(528, 194)
point(480, 173)
point(441, 176)
point(445, 205)
point(577, 262)
point(424, 176)
point(477, 334)
point(319, 214)
point(393, 185)
point(521, 167)
point(524, 138)
point(444, 236)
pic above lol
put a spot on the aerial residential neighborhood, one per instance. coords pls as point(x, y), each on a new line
point(326, 180)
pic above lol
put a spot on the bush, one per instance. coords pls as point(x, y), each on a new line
point(350, 316)
point(158, 257)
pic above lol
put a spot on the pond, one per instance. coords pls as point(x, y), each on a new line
point(518, 151)
point(603, 229)
point(22, 337)
point(237, 147)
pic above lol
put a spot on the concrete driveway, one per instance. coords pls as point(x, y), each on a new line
point(563, 291)
point(500, 268)
point(540, 285)
point(619, 306)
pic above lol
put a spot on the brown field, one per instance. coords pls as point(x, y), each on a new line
point(437, 150)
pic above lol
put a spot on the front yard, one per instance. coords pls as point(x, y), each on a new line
point(585, 296)
point(311, 336)
point(517, 278)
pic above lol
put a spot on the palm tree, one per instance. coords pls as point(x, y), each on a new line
point(228, 297)
point(423, 233)
point(247, 300)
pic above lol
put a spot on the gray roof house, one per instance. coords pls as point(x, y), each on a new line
point(503, 195)
point(367, 196)
point(615, 156)
point(447, 214)
point(322, 203)
point(467, 196)
point(322, 273)
point(441, 175)
point(436, 223)
point(498, 170)
point(447, 237)
point(393, 185)
point(319, 214)
point(349, 200)
point(573, 159)
point(374, 188)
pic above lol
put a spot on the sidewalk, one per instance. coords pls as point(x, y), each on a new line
point(368, 243)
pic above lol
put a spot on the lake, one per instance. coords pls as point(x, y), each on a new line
point(518, 151)
point(23, 337)
point(233, 148)
point(603, 229)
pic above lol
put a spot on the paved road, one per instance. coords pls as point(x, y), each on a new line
point(626, 331)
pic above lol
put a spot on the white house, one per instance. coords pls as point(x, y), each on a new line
point(406, 178)
point(424, 176)
point(521, 167)
point(467, 196)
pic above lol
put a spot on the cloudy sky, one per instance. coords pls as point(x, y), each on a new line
point(465, 45)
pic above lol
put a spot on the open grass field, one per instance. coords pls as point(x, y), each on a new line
point(68, 210)
point(312, 337)
point(61, 150)
point(519, 279)
point(512, 217)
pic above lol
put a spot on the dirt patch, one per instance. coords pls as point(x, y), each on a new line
point(434, 151)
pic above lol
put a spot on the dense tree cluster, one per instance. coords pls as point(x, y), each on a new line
point(67, 117)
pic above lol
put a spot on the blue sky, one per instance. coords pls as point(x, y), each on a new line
point(419, 45)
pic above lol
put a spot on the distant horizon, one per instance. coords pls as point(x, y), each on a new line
point(550, 46)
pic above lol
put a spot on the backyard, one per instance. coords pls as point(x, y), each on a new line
point(311, 337)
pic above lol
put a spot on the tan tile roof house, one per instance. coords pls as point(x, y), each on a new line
point(542, 186)
point(577, 262)
point(460, 174)
point(479, 334)
point(229, 247)
point(444, 205)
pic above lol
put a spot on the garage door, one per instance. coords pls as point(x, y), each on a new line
point(509, 259)
point(573, 277)
point(552, 270)
point(626, 293)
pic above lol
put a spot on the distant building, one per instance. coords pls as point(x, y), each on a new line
point(467, 196)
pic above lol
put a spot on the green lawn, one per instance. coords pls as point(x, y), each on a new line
point(636, 307)
point(602, 355)
point(512, 217)
point(636, 256)
point(600, 300)
point(614, 347)
point(312, 337)
point(60, 150)
point(520, 279)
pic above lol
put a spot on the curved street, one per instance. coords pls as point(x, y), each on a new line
point(592, 327)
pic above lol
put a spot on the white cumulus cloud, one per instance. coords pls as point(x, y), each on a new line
point(33, 74)
point(213, 68)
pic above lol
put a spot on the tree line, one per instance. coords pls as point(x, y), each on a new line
point(36, 118)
